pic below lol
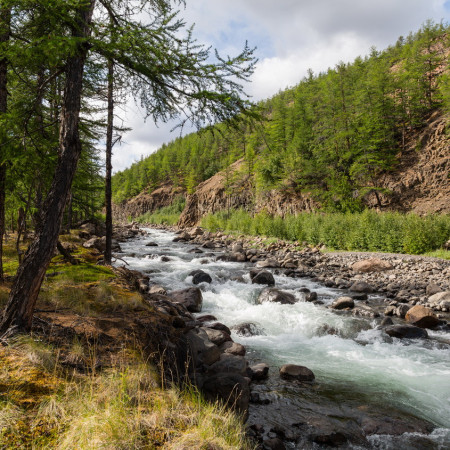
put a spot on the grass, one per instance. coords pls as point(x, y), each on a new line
point(167, 215)
point(47, 402)
point(122, 407)
point(366, 231)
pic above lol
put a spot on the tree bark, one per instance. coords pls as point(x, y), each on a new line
point(5, 21)
point(109, 145)
point(18, 314)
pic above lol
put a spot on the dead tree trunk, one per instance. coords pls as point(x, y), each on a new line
point(18, 314)
point(5, 20)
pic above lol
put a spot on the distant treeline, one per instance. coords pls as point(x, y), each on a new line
point(331, 135)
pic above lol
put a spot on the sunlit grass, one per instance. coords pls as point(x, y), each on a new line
point(122, 407)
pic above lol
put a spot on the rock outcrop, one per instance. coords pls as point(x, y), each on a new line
point(147, 202)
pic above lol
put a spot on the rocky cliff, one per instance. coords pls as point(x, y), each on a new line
point(421, 181)
point(145, 202)
point(232, 189)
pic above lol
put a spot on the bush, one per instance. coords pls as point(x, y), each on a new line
point(365, 231)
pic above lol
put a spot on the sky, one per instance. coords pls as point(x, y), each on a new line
point(290, 36)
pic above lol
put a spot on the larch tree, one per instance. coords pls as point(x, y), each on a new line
point(171, 75)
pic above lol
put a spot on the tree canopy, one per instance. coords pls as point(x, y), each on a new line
point(55, 54)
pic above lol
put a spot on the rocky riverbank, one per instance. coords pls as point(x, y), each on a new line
point(403, 294)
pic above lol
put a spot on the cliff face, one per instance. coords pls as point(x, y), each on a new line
point(421, 181)
point(144, 202)
point(233, 190)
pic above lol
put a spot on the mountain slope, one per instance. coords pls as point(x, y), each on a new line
point(370, 133)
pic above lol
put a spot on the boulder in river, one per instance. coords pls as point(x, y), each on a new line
point(406, 331)
point(343, 303)
point(422, 317)
point(361, 286)
point(263, 277)
point(206, 318)
point(219, 326)
point(230, 364)
point(259, 371)
point(293, 372)
point(231, 388)
point(151, 244)
point(372, 265)
point(276, 296)
point(199, 276)
point(201, 348)
point(233, 348)
point(247, 329)
point(191, 298)
point(218, 337)
point(157, 289)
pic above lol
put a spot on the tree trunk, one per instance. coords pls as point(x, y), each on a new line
point(109, 145)
point(18, 315)
point(5, 20)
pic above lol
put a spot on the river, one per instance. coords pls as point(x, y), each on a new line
point(358, 369)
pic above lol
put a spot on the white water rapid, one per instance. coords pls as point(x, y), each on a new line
point(359, 362)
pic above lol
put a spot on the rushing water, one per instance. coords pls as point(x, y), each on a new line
point(358, 364)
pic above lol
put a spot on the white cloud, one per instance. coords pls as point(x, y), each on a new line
point(291, 36)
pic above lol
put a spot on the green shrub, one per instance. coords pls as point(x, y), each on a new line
point(365, 231)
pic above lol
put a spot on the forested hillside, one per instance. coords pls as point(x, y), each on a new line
point(331, 136)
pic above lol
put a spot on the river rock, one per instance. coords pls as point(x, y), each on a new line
point(248, 329)
point(202, 350)
point(96, 243)
point(277, 296)
point(196, 250)
point(372, 265)
point(441, 299)
point(432, 289)
point(237, 248)
point(195, 232)
point(259, 371)
point(206, 318)
point(219, 326)
point(273, 444)
point(231, 388)
point(422, 317)
point(157, 289)
point(183, 236)
point(267, 263)
point(151, 244)
point(311, 297)
point(361, 286)
point(401, 310)
point(387, 321)
point(199, 276)
point(216, 336)
point(406, 331)
point(233, 348)
point(293, 372)
point(343, 303)
point(229, 363)
point(263, 277)
point(191, 298)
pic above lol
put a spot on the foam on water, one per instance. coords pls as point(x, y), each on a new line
point(411, 375)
